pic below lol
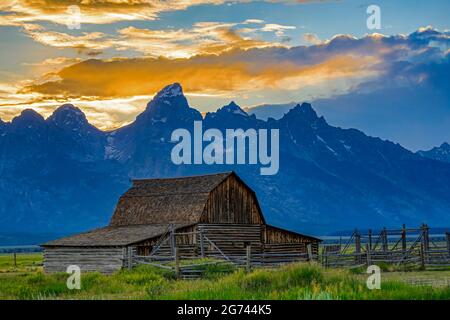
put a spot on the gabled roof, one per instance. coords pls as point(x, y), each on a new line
point(172, 200)
point(113, 236)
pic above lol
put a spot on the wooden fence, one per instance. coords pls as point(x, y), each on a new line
point(408, 248)
point(169, 254)
point(419, 251)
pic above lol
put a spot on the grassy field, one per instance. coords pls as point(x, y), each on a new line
point(300, 281)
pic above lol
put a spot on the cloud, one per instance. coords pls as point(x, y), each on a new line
point(237, 70)
point(18, 12)
point(278, 29)
point(312, 38)
point(91, 43)
point(341, 65)
point(219, 66)
point(201, 38)
point(410, 104)
point(253, 21)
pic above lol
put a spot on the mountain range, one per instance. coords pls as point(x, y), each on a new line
point(441, 153)
point(266, 111)
point(61, 174)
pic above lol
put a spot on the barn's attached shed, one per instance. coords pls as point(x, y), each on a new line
point(220, 206)
point(103, 249)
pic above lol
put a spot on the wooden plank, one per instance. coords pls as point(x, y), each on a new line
point(249, 258)
point(177, 262)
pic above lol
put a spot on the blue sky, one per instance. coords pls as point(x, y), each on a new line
point(253, 52)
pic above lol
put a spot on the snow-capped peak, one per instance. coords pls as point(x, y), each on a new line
point(172, 90)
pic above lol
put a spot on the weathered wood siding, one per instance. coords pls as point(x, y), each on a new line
point(186, 242)
point(232, 239)
point(274, 237)
point(284, 253)
point(102, 259)
point(232, 202)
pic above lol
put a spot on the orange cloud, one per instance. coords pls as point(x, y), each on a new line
point(112, 93)
point(18, 12)
point(208, 73)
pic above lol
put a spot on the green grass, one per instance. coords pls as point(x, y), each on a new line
point(29, 262)
point(299, 281)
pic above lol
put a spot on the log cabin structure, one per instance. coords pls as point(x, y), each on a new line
point(220, 207)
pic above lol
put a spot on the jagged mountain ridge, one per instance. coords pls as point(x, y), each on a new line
point(441, 153)
point(63, 174)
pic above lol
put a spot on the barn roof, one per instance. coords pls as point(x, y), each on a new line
point(113, 236)
point(172, 200)
point(147, 209)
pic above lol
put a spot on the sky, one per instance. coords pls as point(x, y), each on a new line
point(109, 57)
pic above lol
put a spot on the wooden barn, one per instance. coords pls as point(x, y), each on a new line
point(219, 207)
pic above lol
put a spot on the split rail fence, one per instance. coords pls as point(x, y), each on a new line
point(410, 248)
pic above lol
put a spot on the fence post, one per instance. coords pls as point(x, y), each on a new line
point(202, 247)
point(425, 241)
point(404, 238)
point(177, 262)
point(172, 239)
point(427, 232)
point(322, 257)
point(130, 258)
point(325, 257)
point(248, 265)
point(422, 256)
point(369, 233)
point(447, 234)
point(309, 250)
point(125, 258)
point(358, 246)
point(369, 258)
point(15, 259)
point(448, 242)
point(384, 240)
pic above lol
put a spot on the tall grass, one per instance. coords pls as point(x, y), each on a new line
point(298, 281)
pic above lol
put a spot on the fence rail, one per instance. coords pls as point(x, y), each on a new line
point(371, 248)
